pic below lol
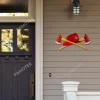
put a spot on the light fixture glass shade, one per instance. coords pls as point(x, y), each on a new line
point(76, 10)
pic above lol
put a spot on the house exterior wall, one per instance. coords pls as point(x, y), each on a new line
point(72, 63)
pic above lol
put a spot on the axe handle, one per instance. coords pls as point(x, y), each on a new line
point(62, 47)
point(74, 43)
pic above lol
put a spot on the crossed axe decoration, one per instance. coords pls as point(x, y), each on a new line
point(72, 39)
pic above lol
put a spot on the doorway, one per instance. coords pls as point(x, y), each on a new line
point(17, 61)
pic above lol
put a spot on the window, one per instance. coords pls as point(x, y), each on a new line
point(13, 8)
point(7, 40)
point(13, 14)
point(23, 39)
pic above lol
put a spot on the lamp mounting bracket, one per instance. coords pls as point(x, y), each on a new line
point(80, 1)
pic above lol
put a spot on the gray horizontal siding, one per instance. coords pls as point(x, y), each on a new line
point(73, 73)
point(71, 24)
point(72, 53)
point(53, 97)
point(64, 7)
point(72, 58)
point(71, 30)
point(67, 18)
point(72, 63)
point(72, 48)
point(66, 13)
point(53, 36)
point(76, 68)
point(82, 81)
point(59, 87)
point(87, 2)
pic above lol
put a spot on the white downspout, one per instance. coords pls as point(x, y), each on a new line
point(70, 88)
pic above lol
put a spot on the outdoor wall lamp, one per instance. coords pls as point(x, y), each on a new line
point(76, 7)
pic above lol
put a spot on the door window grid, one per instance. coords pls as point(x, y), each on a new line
point(7, 40)
point(23, 39)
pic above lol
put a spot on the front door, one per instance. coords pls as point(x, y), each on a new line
point(17, 61)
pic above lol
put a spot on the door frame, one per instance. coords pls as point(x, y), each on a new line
point(38, 20)
point(39, 51)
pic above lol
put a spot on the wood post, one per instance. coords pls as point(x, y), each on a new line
point(70, 88)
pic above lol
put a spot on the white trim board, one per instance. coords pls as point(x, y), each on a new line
point(39, 51)
point(88, 93)
point(16, 19)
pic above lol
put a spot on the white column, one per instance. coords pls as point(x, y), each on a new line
point(70, 88)
point(39, 51)
point(32, 8)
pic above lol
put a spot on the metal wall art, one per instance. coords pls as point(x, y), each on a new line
point(72, 39)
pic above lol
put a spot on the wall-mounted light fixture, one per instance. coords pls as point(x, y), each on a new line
point(76, 7)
